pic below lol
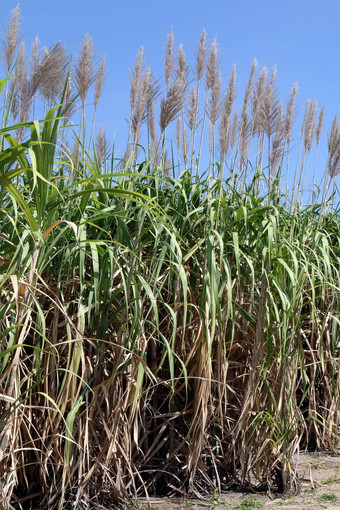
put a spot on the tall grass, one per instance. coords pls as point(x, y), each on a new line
point(163, 328)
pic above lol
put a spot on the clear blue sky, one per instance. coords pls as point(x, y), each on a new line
point(302, 37)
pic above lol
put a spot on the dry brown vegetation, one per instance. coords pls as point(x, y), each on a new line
point(163, 330)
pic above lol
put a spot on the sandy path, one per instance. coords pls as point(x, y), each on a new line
point(320, 479)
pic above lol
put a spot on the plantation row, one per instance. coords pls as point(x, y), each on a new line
point(162, 329)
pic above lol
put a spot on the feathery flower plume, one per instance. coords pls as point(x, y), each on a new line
point(273, 76)
point(310, 125)
point(291, 112)
point(269, 110)
point(101, 145)
point(34, 62)
point(99, 83)
point(333, 164)
point(201, 56)
point(69, 100)
point(224, 135)
point(151, 94)
point(214, 103)
point(231, 92)
point(249, 85)
point(20, 69)
point(243, 135)
point(140, 110)
point(256, 98)
point(152, 123)
point(184, 144)
point(305, 118)
point(75, 152)
point(303, 126)
point(135, 77)
point(25, 103)
point(172, 104)
point(85, 68)
point(233, 130)
point(11, 39)
point(169, 60)
point(320, 125)
point(53, 72)
point(18, 84)
point(212, 66)
point(182, 68)
point(192, 110)
point(167, 164)
point(226, 113)
point(319, 128)
point(277, 150)
point(23, 97)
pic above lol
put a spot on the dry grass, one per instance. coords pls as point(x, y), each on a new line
point(163, 331)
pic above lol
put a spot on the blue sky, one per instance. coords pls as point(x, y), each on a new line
point(301, 37)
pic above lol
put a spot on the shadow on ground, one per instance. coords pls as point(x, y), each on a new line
point(319, 475)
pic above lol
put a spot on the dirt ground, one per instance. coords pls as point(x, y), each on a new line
point(319, 475)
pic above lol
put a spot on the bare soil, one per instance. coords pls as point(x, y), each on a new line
point(319, 475)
